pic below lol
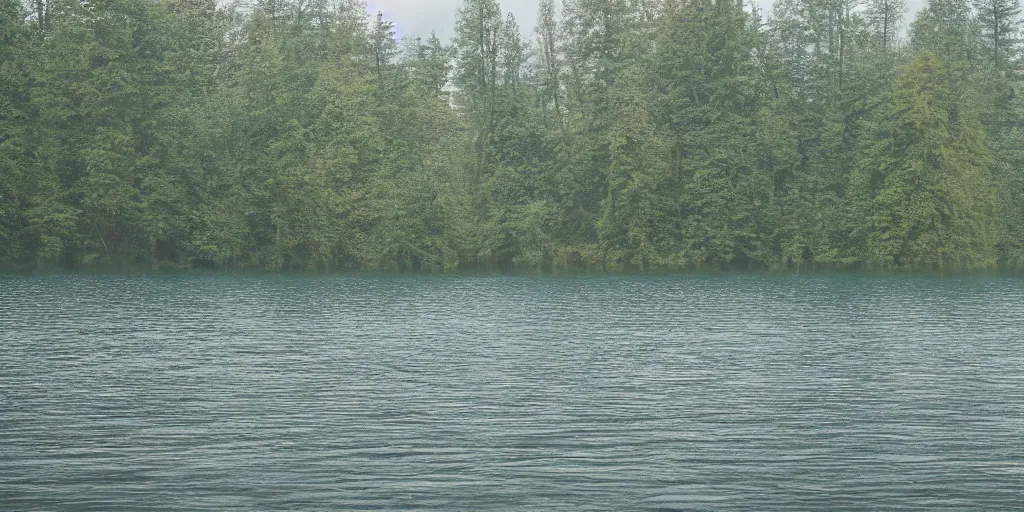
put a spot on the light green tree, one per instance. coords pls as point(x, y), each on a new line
point(934, 206)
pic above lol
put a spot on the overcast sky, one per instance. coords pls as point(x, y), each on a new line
point(420, 17)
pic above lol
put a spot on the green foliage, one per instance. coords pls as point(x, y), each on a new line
point(627, 135)
point(934, 206)
point(14, 77)
point(1000, 20)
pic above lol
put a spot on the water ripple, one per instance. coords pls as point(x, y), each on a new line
point(582, 393)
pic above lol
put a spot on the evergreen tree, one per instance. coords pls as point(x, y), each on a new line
point(478, 32)
point(1000, 21)
point(934, 204)
point(707, 78)
point(15, 183)
point(630, 134)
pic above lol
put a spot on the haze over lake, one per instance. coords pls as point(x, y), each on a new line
point(727, 392)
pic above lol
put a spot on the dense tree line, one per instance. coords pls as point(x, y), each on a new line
point(623, 134)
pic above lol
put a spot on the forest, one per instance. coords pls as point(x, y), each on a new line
point(619, 135)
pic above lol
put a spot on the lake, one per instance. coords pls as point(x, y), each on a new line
point(706, 392)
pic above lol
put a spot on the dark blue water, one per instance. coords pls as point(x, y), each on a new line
point(610, 393)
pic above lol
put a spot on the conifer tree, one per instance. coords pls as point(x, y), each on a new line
point(934, 205)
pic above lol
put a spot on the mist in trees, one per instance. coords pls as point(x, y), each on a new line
point(615, 135)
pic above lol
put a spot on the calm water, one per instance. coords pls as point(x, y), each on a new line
point(610, 393)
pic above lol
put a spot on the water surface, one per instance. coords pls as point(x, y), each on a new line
point(561, 393)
